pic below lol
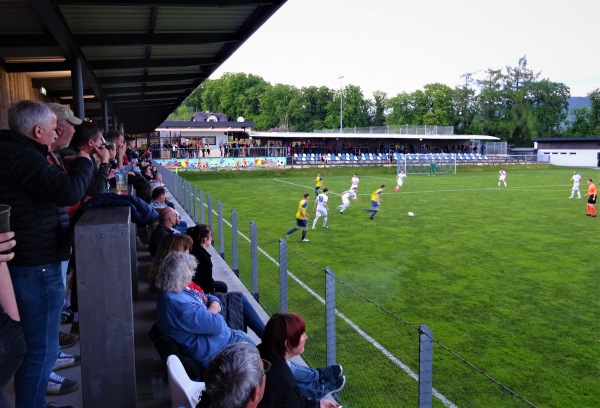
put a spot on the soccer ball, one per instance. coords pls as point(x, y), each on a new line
point(411, 214)
point(397, 189)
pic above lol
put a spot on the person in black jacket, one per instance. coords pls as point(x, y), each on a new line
point(202, 236)
point(38, 192)
point(283, 339)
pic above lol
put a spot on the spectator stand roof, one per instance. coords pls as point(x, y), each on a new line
point(143, 57)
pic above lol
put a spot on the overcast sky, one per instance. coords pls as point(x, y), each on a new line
point(396, 46)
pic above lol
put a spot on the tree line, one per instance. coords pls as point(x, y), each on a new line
point(513, 104)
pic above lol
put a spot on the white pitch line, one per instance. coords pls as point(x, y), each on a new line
point(361, 332)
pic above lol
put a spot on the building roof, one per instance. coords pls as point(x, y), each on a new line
point(142, 56)
point(567, 139)
point(308, 135)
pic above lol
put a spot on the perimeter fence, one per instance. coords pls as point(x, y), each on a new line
point(388, 362)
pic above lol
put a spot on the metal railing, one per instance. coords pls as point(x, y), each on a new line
point(388, 361)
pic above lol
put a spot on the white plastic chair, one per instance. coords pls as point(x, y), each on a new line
point(184, 391)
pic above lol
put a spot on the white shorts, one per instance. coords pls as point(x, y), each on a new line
point(502, 178)
point(400, 183)
point(321, 212)
point(345, 201)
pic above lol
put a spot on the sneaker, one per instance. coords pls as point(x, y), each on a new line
point(65, 361)
point(305, 240)
point(330, 373)
point(58, 385)
point(336, 385)
point(67, 340)
point(312, 229)
point(286, 236)
point(66, 315)
point(325, 227)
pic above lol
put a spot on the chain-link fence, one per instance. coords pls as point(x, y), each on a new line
point(388, 361)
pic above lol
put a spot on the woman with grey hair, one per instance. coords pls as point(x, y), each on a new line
point(193, 320)
point(190, 318)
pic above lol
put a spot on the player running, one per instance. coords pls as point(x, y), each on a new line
point(346, 199)
point(400, 180)
point(301, 218)
point(376, 201)
point(320, 206)
point(355, 181)
point(318, 183)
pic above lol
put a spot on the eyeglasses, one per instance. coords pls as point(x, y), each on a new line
point(266, 365)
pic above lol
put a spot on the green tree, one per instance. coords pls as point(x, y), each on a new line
point(580, 125)
point(378, 111)
point(277, 105)
point(550, 106)
point(465, 107)
point(595, 111)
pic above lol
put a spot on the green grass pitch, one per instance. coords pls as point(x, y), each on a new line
point(508, 278)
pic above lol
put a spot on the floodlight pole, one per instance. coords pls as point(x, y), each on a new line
point(341, 106)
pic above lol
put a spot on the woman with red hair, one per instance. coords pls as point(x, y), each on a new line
point(283, 339)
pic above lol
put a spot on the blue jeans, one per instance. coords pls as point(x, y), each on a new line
point(251, 318)
point(238, 336)
point(40, 294)
point(308, 380)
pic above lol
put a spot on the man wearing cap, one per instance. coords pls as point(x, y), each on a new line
point(38, 192)
point(65, 125)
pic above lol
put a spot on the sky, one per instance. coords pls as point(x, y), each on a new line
point(401, 45)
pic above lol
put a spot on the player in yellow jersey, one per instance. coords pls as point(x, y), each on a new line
point(376, 201)
point(301, 218)
point(318, 183)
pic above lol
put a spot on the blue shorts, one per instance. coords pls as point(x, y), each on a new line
point(300, 223)
point(374, 204)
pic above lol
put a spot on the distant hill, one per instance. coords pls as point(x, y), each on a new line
point(579, 101)
point(576, 102)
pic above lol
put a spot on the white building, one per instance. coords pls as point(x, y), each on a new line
point(570, 151)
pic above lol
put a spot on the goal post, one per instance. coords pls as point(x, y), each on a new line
point(445, 163)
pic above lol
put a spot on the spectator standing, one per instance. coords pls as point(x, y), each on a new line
point(576, 180)
point(38, 192)
point(12, 344)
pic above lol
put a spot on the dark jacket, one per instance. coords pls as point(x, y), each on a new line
point(39, 193)
point(203, 276)
point(158, 236)
point(281, 389)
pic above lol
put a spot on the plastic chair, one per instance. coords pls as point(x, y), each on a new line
point(184, 392)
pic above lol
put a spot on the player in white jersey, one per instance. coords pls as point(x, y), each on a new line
point(400, 180)
point(576, 179)
point(320, 206)
point(502, 178)
point(354, 182)
point(346, 199)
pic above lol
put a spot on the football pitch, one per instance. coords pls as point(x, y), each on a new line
point(508, 278)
